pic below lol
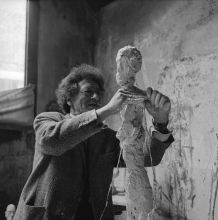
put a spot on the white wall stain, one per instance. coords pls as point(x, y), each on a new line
point(191, 84)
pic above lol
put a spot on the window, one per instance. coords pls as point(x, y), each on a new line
point(12, 43)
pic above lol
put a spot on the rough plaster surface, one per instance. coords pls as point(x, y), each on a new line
point(134, 136)
point(178, 41)
point(190, 166)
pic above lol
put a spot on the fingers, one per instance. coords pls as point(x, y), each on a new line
point(153, 97)
point(122, 93)
point(163, 100)
point(157, 99)
point(134, 93)
point(149, 92)
point(148, 106)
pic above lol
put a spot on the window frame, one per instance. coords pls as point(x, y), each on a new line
point(31, 49)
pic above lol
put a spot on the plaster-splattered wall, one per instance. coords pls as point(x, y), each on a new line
point(179, 44)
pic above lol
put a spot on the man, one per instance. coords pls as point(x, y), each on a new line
point(9, 212)
point(75, 152)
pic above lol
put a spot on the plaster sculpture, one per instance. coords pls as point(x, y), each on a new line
point(133, 136)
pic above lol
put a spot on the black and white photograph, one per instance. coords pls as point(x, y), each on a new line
point(108, 109)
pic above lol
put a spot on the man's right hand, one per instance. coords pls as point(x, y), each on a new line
point(117, 100)
point(114, 105)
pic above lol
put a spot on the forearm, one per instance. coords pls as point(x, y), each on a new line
point(103, 113)
point(155, 151)
point(56, 137)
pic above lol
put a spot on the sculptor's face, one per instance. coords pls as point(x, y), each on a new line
point(89, 97)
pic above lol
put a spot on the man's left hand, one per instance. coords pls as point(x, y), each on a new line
point(158, 105)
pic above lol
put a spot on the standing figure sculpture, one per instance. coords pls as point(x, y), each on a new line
point(133, 136)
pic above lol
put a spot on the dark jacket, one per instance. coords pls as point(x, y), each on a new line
point(60, 167)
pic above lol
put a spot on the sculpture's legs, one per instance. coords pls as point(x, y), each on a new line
point(138, 188)
point(139, 194)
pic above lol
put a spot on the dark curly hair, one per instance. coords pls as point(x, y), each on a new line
point(69, 85)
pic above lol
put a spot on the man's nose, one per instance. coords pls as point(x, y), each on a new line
point(96, 96)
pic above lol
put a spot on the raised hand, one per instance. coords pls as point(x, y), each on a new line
point(158, 105)
point(114, 105)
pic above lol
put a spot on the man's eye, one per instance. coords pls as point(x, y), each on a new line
point(91, 93)
point(88, 92)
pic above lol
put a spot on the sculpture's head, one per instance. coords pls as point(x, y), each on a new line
point(129, 62)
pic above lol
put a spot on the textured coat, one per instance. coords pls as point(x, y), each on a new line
point(60, 167)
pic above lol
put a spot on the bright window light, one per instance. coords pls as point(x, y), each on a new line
point(12, 43)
